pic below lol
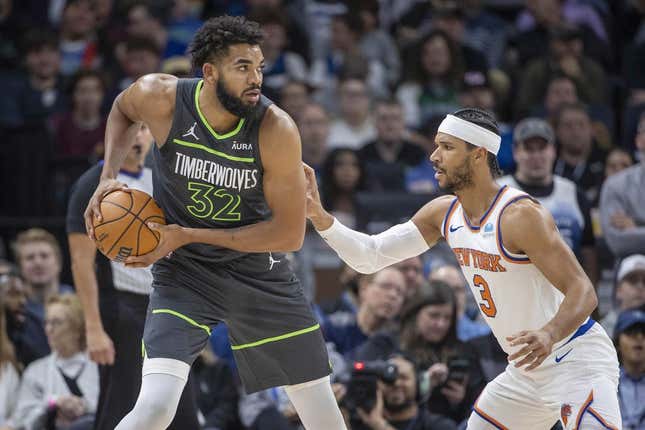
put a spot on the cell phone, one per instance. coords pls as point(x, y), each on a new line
point(458, 370)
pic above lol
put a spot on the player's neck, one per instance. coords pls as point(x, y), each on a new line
point(476, 200)
point(220, 120)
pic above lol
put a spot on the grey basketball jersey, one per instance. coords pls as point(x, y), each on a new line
point(206, 180)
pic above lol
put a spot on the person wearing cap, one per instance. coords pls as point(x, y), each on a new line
point(527, 282)
point(622, 206)
point(630, 288)
point(534, 153)
point(629, 337)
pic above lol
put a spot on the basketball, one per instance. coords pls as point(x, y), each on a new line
point(123, 231)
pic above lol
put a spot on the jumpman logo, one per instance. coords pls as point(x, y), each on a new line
point(191, 132)
point(272, 261)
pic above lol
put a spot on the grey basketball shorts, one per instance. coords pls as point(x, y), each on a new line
point(274, 336)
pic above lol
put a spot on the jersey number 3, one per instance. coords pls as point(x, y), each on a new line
point(217, 205)
point(488, 305)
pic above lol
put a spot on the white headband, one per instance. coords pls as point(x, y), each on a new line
point(471, 133)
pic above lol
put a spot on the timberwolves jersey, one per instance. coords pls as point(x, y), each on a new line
point(511, 292)
point(207, 180)
point(563, 204)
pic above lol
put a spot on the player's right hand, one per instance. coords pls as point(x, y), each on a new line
point(100, 346)
point(313, 196)
point(315, 212)
point(93, 211)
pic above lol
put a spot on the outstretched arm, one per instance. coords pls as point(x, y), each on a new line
point(529, 228)
point(370, 253)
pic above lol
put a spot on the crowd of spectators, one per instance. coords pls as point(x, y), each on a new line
point(367, 82)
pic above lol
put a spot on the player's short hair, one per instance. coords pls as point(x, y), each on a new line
point(486, 120)
point(35, 235)
point(214, 37)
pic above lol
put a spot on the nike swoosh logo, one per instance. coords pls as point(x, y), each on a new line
point(559, 359)
point(455, 228)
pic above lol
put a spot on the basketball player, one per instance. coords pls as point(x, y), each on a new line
point(529, 286)
point(229, 178)
point(115, 298)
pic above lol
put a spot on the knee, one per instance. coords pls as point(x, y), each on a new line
point(155, 412)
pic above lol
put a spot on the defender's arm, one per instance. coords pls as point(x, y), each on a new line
point(370, 253)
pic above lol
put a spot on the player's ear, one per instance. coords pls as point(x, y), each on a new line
point(210, 73)
point(481, 154)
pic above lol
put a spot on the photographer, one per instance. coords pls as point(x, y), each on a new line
point(397, 404)
point(429, 335)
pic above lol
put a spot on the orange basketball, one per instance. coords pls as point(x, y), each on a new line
point(123, 231)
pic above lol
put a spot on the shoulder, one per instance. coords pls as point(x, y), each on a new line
point(565, 184)
point(619, 179)
point(278, 130)
point(525, 218)
point(158, 84)
point(437, 208)
point(429, 218)
point(154, 91)
point(35, 367)
point(518, 210)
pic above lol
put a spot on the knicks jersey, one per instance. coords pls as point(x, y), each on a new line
point(563, 203)
point(512, 294)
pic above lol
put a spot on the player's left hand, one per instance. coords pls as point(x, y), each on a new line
point(538, 346)
point(171, 237)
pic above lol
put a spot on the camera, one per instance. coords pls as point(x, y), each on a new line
point(362, 386)
point(458, 369)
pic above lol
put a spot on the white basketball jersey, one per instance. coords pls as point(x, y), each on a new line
point(512, 294)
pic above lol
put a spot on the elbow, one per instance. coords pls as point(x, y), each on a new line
point(590, 298)
point(291, 245)
point(290, 242)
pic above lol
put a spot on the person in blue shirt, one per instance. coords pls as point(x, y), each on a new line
point(629, 336)
point(380, 298)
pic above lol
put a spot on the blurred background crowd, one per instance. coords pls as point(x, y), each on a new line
point(367, 82)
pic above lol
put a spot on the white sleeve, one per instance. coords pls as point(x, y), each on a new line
point(368, 254)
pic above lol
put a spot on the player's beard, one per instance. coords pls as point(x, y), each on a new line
point(231, 103)
point(461, 178)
